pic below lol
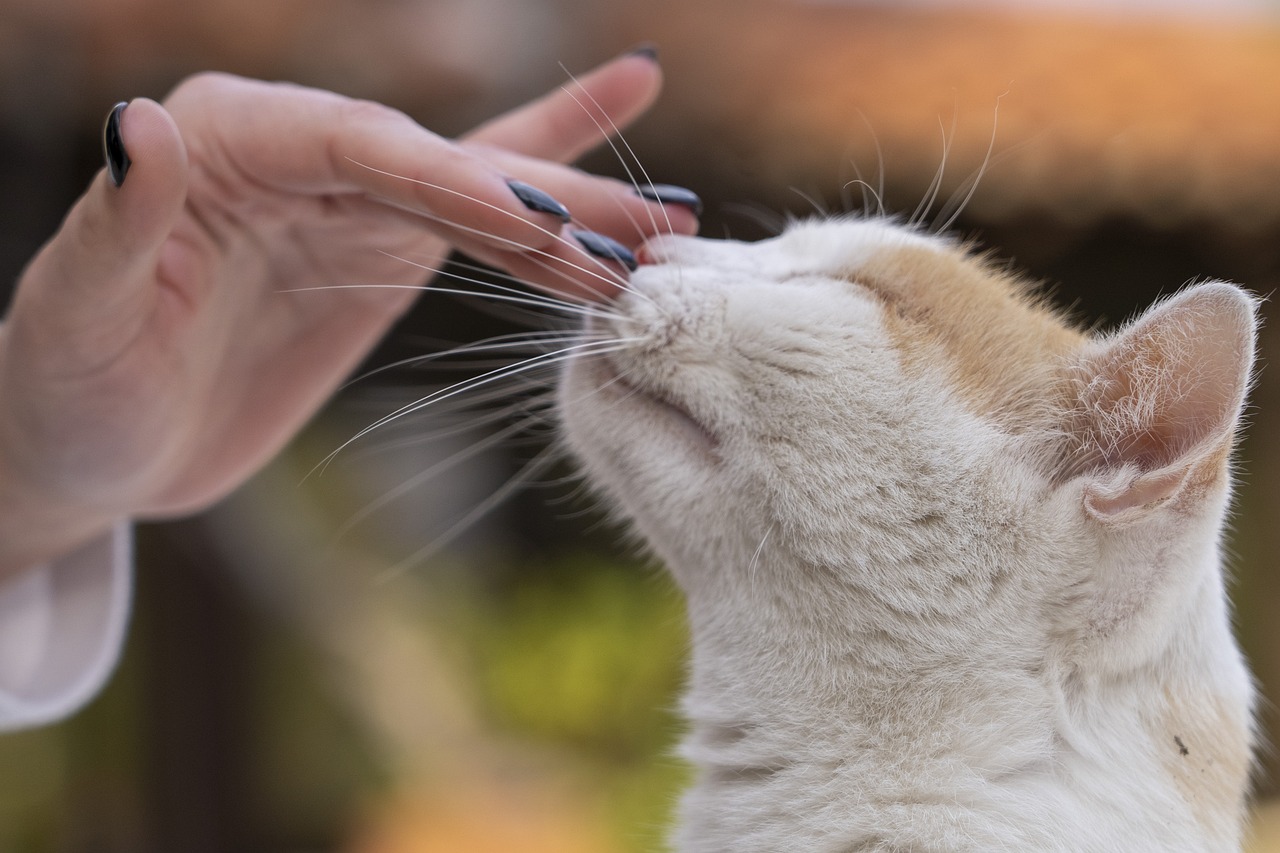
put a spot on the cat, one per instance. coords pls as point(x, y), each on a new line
point(952, 566)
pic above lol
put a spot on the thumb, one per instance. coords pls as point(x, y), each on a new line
point(95, 281)
point(131, 206)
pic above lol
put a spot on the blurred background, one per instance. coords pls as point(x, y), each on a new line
point(318, 664)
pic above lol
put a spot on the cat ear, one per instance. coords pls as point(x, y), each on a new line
point(1160, 401)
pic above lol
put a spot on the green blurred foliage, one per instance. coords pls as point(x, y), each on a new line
point(589, 656)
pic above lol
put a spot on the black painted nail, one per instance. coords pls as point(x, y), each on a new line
point(536, 200)
point(606, 247)
point(117, 158)
point(648, 50)
point(671, 194)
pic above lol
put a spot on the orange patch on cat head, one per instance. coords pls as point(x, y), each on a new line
point(1001, 348)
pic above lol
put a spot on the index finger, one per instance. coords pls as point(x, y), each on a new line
point(303, 141)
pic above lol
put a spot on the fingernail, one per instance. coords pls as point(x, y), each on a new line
point(648, 50)
point(538, 201)
point(671, 194)
point(606, 247)
point(117, 158)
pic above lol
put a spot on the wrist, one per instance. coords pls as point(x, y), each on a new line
point(31, 537)
point(39, 520)
point(32, 534)
point(37, 526)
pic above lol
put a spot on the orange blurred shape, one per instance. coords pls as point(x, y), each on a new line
point(486, 818)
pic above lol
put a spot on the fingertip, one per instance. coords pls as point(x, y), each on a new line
point(151, 145)
point(579, 266)
point(605, 247)
point(113, 149)
point(679, 220)
point(517, 215)
point(645, 50)
point(538, 201)
point(151, 139)
point(576, 117)
point(116, 226)
point(637, 86)
point(589, 265)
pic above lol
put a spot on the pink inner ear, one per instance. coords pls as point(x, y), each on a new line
point(1167, 392)
point(1145, 490)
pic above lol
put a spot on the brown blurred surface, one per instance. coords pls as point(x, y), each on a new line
point(1170, 122)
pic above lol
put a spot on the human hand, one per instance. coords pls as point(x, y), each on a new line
point(171, 337)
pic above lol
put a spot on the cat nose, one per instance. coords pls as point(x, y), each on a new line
point(656, 250)
point(645, 257)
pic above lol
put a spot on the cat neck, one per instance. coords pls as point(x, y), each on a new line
point(889, 740)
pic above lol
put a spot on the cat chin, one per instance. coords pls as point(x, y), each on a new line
point(634, 409)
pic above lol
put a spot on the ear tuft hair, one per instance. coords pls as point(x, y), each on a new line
point(1159, 402)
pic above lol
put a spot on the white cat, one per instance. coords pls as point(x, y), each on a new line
point(952, 566)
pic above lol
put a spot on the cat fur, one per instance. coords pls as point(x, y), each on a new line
point(953, 567)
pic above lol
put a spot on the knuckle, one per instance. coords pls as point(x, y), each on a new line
point(360, 111)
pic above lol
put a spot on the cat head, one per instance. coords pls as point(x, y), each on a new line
point(867, 427)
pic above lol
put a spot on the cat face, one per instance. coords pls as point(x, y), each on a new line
point(756, 378)
point(833, 388)
point(854, 411)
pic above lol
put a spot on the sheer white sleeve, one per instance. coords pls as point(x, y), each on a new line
point(61, 630)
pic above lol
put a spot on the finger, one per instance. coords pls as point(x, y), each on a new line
point(457, 187)
point(563, 267)
point(94, 283)
point(117, 231)
point(607, 205)
point(570, 272)
point(579, 266)
point(566, 123)
point(306, 141)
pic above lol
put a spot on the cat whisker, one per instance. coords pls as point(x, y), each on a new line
point(394, 494)
point(935, 186)
point(603, 310)
point(754, 565)
point(604, 345)
point(771, 221)
point(867, 190)
point(609, 276)
point(541, 462)
point(519, 300)
point(818, 207)
point(498, 343)
point(470, 416)
point(880, 170)
point(519, 286)
point(974, 179)
point(537, 298)
point(487, 378)
point(512, 295)
point(610, 134)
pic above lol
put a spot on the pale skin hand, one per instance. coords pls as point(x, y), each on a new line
point(163, 346)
